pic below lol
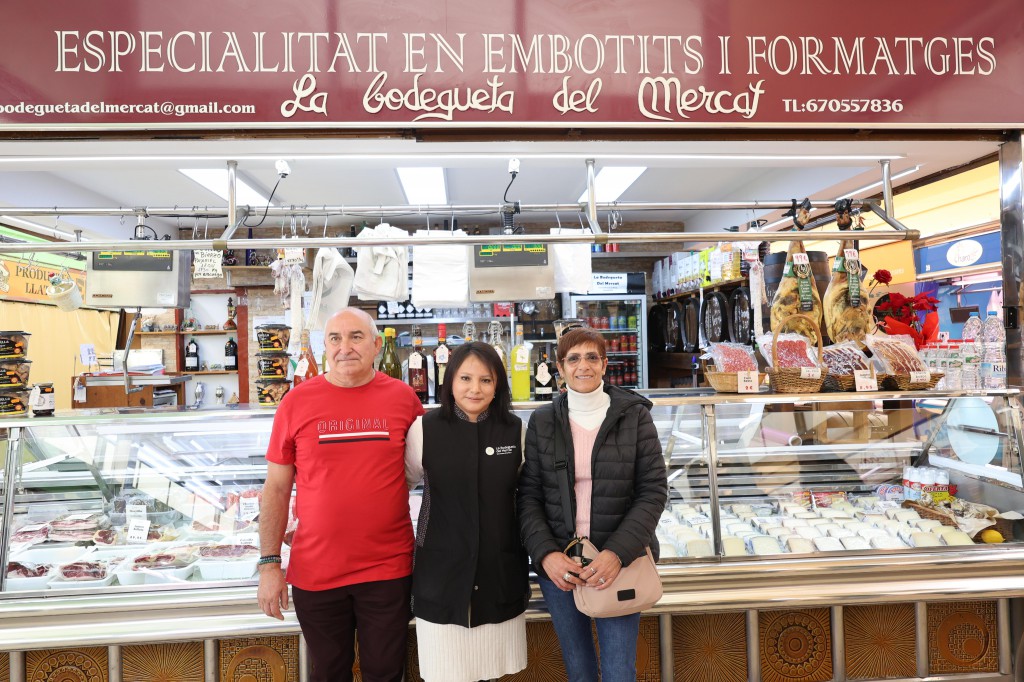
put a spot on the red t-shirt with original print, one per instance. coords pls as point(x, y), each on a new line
point(352, 505)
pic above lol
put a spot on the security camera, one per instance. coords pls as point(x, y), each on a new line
point(513, 166)
point(282, 167)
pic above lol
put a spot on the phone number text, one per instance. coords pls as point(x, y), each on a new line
point(844, 106)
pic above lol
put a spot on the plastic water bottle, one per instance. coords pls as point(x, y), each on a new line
point(954, 368)
point(972, 327)
point(993, 355)
point(970, 373)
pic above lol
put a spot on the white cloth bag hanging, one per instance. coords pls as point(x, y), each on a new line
point(572, 263)
point(332, 286)
point(440, 273)
point(382, 272)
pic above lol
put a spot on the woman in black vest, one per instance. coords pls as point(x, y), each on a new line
point(470, 578)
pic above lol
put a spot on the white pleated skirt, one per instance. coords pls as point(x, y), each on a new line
point(452, 653)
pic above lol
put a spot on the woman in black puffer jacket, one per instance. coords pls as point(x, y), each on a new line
point(619, 490)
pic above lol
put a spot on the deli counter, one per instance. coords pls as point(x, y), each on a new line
point(811, 537)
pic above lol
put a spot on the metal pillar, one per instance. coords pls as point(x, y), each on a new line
point(1011, 221)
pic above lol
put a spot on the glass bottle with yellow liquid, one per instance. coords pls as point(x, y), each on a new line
point(389, 362)
point(520, 368)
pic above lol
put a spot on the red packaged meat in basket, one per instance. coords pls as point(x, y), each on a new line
point(732, 357)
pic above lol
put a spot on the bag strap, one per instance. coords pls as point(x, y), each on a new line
point(562, 473)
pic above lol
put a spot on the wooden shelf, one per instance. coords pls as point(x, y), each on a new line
point(171, 333)
point(209, 332)
point(727, 284)
point(214, 371)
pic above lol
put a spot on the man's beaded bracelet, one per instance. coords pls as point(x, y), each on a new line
point(269, 559)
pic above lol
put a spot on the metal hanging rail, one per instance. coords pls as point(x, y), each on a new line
point(355, 242)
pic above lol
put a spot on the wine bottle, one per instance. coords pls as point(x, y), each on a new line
point(230, 354)
point(306, 369)
point(192, 356)
point(440, 360)
point(543, 379)
point(389, 363)
point(520, 368)
point(418, 365)
point(495, 330)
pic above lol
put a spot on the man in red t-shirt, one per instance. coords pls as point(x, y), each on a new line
point(340, 439)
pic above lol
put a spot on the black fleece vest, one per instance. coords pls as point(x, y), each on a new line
point(470, 566)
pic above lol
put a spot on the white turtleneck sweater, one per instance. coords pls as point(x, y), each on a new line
point(586, 414)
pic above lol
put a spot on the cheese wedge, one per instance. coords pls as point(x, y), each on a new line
point(824, 544)
point(886, 542)
point(798, 545)
point(699, 548)
point(922, 539)
point(763, 544)
point(927, 525)
point(957, 537)
point(809, 532)
point(854, 543)
point(733, 546)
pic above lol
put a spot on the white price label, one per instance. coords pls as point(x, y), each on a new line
point(79, 390)
point(920, 377)
point(246, 539)
point(79, 517)
point(865, 380)
point(746, 382)
point(87, 353)
point(810, 372)
point(415, 361)
point(248, 508)
point(522, 355)
point(135, 511)
point(138, 531)
point(801, 259)
point(206, 264)
point(300, 369)
point(943, 336)
point(31, 528)
point(294, 256)
point(750, 255)
point(441, 355)
point(850, 254)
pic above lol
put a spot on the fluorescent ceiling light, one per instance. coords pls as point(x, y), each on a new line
point(612, 181)
point(423, 184)
point(37, 228)
point(446, 156)
point(216, 180)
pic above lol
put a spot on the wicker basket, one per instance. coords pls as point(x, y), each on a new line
point(902, 382)
point(848, 382)
point(929, 513)
point(725, 382)
point(788, 379)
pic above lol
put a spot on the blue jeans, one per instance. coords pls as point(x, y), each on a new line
point(616, 637)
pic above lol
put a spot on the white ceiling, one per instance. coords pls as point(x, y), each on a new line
point(342, 172)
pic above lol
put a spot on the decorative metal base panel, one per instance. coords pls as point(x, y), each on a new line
point(796, 646)
point(648, 651)
point(412, 659)
point(880, 641)
point(543, 655)
point(709, 647)
point(66, 665)
point(5, 668)
point(962, 637)
point(178, 662)
point(259, 659)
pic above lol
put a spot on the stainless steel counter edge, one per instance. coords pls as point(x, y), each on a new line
point(83, 620)
point(669, 397)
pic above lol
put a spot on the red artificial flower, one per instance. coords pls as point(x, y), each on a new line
point(882, 276)
point(925, 303)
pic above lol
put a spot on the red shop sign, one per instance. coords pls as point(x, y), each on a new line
point(386, 63)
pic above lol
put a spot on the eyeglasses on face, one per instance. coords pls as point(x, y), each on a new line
point(591, 358)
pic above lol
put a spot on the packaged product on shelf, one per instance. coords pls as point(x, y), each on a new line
point(797, 294)
point(844, 358)
point(732, 357)
point(845, 305)
point(14, 344)
point(897, 354)
point(792, 350)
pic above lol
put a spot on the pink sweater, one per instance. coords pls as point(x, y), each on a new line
point(586, 414)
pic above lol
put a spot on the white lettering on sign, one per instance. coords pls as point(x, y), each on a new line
point(437, 104)
point(964, 252)
point(669, 95)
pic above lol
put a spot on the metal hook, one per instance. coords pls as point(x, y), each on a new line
point(122, 220)
point(327, 217)
point(206, 228)
point(195, 226)
point(282, 227)
point(381, 215)
point(293, 228)
point(558, 220)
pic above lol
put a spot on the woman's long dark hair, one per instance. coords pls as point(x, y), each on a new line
point(501, 406)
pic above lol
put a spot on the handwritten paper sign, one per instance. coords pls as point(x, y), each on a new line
point(206, 264)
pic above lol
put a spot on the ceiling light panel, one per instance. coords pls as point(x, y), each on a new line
point(612, 181)
point(216, 180)
point(423, 184)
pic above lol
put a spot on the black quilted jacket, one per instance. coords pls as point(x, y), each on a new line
point(629, 485)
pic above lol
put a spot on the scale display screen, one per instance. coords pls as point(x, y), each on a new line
point(510, 255)
point(133, 261)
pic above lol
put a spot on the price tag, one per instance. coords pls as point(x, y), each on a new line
point(79, 517)
point(865, 380)
point(246, 539)
point(294, 256)
point(415, 361)
point(31, 528)
point(441, 355)
point(746, 382)
point(393, 308)
point(750, 255)
point(135, 511)
point(206, 264)
point(248, 508)
point(522, 355)
point(300, 369)
point(943, 336)
point(920, 377)
point(801, 259)
point(79, 390)
point(810, 373)
point(851, 254)
point(138, 531)
point(87, 353)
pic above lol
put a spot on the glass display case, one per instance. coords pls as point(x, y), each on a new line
point(773, 498)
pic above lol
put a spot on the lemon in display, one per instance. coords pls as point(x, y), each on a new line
point(991, 536)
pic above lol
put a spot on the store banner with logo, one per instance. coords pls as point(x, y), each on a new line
point(387, 63)
point(981, 249)
point(26, 282)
